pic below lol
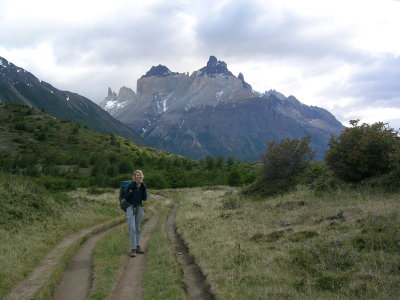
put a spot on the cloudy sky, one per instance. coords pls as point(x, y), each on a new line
point(342, 55)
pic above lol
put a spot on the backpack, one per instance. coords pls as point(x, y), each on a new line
point(123, 204)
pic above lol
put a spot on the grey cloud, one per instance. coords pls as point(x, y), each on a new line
point(378, 81)
point(373, 86)
point(127, 37)
point(243, 28)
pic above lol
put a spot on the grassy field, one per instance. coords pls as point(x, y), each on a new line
point(33, 222)
point(345, 244)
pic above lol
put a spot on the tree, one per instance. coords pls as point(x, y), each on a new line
point(219, 163)
point(287, 158)
point(363, 151)
point(230, 161)
point(125, 166)
point(235, 177)
point(210, 162)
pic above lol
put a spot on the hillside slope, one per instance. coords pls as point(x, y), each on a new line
point(63, 155)
point(21, 87)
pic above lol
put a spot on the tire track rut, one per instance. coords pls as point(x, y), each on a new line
point(193, 276)
point(77, 279)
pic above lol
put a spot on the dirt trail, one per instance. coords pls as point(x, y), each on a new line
point(76, 281)
point(129, 284)
point(193, 277)
point(27, 288)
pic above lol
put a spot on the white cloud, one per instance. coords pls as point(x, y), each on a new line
point(341, 55)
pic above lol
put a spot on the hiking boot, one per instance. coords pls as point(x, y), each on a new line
point(139, 250)
point(132, 253)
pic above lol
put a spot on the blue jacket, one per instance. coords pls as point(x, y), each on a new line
point(134, 195)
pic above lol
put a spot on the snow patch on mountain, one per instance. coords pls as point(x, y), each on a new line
point(112, 104)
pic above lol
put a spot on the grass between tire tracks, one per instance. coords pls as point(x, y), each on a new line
point(345, 244)
point(163, 277)
point(107, 260)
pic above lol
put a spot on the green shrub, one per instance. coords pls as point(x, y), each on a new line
point(98, 191)
point(56, 184)
point(125, 166)
point(21, 126)
point(235, 177)
point(270, 187)
point(156, 181)
point(287, 158)
point(23, 201)
point(364, 151)
point(283, 166)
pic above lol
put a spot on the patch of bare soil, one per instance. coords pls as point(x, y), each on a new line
point(27, 288)
point(193, 276)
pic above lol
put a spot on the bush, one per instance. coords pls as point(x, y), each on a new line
point(23, 201)
point(98, 191)
point(283, 166)
point(55, 184)
point(363, 151)
point(270, 187)
point(156, 181)
point(287, 158)
point(235, 177)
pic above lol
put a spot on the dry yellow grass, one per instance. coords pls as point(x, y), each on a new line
point(344, 244)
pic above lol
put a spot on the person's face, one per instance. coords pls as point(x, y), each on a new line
point(138, 177)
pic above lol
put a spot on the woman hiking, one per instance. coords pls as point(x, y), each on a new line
point(135, 194)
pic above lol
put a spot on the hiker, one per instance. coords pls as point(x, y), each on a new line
point(135, 193)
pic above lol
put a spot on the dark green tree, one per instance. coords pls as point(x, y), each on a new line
point(210, 162)
point(230, 161)
point(219, 163)
point(235, 177)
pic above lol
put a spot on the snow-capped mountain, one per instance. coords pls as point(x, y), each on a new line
point(213, 112)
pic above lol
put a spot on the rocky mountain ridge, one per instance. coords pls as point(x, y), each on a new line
point(213, 112)
point(21, 87)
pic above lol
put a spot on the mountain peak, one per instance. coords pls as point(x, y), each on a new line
point(110, 92)
point(159, 71)
point(245, 84)
point(215, 66)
